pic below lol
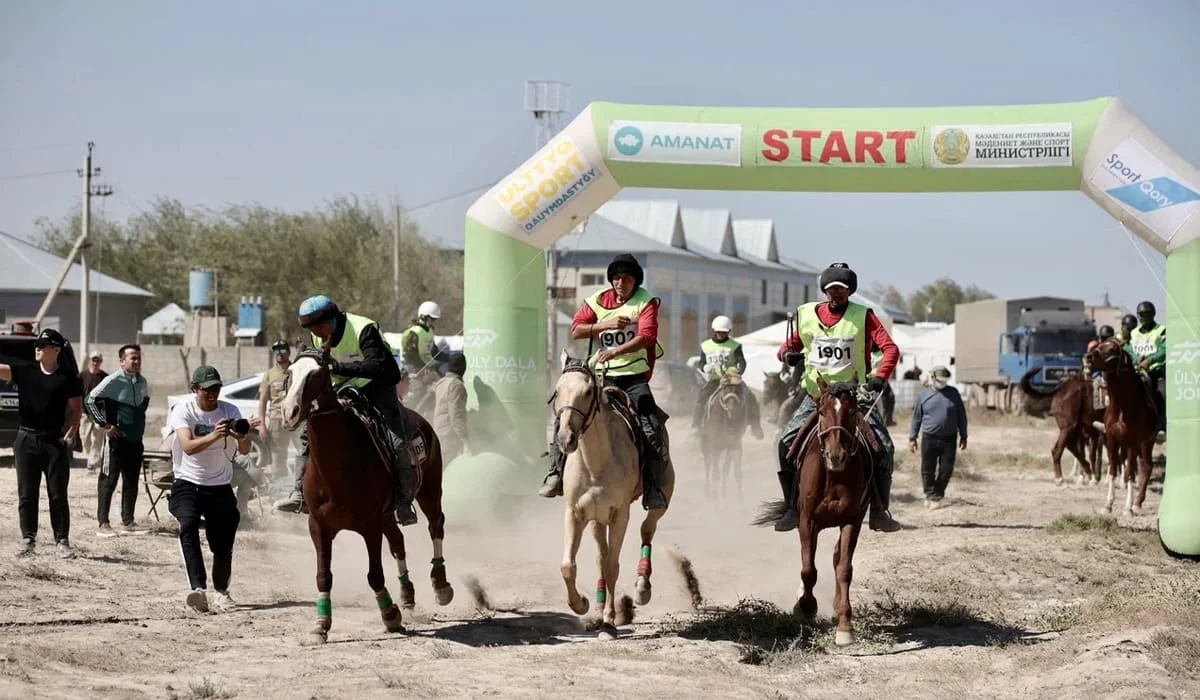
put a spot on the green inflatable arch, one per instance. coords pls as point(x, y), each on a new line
point(1096, 146)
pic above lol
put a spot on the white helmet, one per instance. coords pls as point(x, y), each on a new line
point(722, 324)
point(430, 309)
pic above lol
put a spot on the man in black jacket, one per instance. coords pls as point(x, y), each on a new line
point(360, 359)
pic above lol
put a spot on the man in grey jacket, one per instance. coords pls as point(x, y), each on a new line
point(450, 409)
point(941, 417)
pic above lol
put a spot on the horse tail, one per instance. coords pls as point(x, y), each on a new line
point(769, 513)
point(1031, 390)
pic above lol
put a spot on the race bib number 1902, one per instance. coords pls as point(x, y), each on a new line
point(612, 339)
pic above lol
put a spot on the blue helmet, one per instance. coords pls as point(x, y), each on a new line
point(317, 308)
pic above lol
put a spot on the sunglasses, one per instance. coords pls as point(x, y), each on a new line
point(41, 346)
point(211, 389)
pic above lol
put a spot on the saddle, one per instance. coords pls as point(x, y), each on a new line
point(622, 405)
point(378, 430)
point(1099, 393)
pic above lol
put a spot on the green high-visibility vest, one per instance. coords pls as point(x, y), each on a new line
point(424, 341)
point(629, 363)
point(718, 357)
point(347, 349)
point(1146, 343)
point(834, 353)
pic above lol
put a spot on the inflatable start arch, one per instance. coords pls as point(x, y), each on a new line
point(1096, 146)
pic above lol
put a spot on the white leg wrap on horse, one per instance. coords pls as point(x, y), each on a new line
point(402, 567)
point(437, 549)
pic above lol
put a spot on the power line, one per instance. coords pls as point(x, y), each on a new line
point(41, 174)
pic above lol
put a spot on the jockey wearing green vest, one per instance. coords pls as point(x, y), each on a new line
point(623, 320)
point(836, 338)
point(359, 358)
point(1148, 346)
point(417, 345)
point(720, 355)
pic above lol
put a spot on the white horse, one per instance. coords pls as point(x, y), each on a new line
point(595, 426)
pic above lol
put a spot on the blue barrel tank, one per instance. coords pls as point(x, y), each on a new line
point(200, 288)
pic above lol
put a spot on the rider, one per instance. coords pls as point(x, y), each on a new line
point(417, 343)
point(836, 336)
point(718, 355)
point(1148, 343)
point(360, 358)
point(1105, 333)
point(623, 320)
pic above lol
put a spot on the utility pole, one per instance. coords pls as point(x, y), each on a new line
point(396, 266)
point(89, 191)
point(547, 100)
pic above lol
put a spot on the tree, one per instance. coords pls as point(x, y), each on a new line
point(889, 296)
point(343, 250)
point(936, 301)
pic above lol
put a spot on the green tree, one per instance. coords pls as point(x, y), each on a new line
point(889, 295)
point(936, 301)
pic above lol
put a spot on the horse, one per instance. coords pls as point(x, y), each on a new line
point(721, 439)
point(348, 486)
point(1074, 407)
point(775, 391)
point(1130, 422)
point(835, 466)
point(596, 427)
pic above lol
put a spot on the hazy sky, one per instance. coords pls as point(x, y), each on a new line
point(291, 103)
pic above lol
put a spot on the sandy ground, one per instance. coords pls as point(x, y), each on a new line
point(995, 595)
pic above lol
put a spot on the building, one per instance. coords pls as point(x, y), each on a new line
point(702, 263)
point(26, 275)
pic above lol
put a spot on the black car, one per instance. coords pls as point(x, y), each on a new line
point(18, 346)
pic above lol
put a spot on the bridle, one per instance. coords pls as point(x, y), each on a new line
point(313, 405)
point(593, 408)
point(822, 430)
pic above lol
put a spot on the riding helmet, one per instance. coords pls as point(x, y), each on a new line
point(315, 309)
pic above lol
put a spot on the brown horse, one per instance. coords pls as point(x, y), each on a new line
point(1130, 422)
point(1074, 408)
point(835, 477)
point(348, 486)
point(721, 439)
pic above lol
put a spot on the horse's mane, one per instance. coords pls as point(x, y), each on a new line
point(842, 389)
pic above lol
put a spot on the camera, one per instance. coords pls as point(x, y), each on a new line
point(239, 427)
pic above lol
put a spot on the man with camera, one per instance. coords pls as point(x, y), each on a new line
point(209, 434)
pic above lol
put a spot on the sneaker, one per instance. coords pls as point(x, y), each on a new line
point(105, 530)
point(222, 603)
point(292, 504)
point(133, 529)
point(881, 521)
point(26, 548)
point(197, 600)
point(63, 549)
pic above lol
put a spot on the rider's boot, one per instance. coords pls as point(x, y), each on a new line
point(404, 473)
point(294, 503)
point(654, 469)
point(790, 519)
point(881, 519)
point(552, 485)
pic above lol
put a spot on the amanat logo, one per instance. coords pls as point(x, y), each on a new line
point(838, 147)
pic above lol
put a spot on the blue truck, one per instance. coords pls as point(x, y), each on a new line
point(998, 340)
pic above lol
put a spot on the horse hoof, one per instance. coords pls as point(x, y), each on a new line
point(444, 595)
point(607, 633)
point(842, 639)
point(803, 612)
point(314, 639)
point(408, 596)
point(582, 608)
point(392, 620)
point(1058, 481)
point(642, 589)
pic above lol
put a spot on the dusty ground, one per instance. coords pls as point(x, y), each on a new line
point(996, 595)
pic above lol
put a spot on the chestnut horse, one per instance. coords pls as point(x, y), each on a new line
point(835, 477)
point(721, 438)
point(1074, 409)
point(348, 486)
point(1130, 422)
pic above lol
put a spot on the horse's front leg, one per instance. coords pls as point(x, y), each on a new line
point(843, 565)
point(430, 500)
point(806, 603)
point(395, 538)
point(1115, 460)
point(323, 543)
point(641, 586)
point(1145, 466)
point(572, 535)
point(606, 595)
point(375, 579)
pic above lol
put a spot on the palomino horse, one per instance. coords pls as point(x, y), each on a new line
point(721, 439)
point(1074, 408)
point(1130, 422)
point(835, 477)
point(348, 486)
point(596, 427)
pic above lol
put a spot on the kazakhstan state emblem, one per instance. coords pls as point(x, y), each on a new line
point(951, 146)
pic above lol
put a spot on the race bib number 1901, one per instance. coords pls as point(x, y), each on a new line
point(832, 354)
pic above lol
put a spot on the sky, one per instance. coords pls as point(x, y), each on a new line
point(290, 104)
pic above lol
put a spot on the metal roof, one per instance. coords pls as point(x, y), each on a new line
point(709, 228)
point(603, 234)
point(756, 237)
point(656, 219)
point(25, 267)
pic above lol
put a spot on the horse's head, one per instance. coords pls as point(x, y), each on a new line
point(307, 381)
point(576, 394)
point(1109, 357)
point(837, 423)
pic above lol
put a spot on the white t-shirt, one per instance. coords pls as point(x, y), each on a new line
point(213, 466)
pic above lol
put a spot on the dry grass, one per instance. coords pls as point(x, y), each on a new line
point(1083, 523)
point(201, 690)
point(1177, 651)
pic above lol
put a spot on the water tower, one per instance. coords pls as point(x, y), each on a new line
point(206, 326)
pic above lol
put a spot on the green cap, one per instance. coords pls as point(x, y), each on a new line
point(206, 377)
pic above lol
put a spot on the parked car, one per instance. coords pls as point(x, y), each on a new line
point(13, 346)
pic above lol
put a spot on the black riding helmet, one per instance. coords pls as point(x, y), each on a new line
point(838, 272)
point(626, 263)
point(1106, 332)
point(1129, 322)
point(1145, 310)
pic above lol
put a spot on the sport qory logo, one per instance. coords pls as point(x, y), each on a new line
point(629, 140)
point(1146, 195)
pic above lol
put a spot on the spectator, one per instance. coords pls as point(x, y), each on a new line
point(270, 407)
point(125, 395)
point(203, 487)
point(450, 409)
point(48, 405)
point(941, 416)
point(91, 435)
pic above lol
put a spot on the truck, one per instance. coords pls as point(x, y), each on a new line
point(997, 341)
